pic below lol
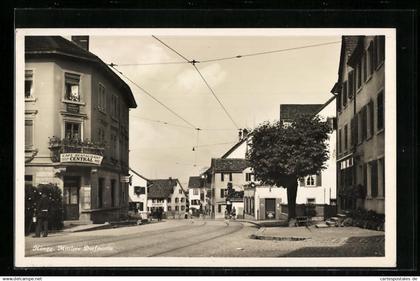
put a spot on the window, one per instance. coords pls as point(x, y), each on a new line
point(353, 131)
point(139, 190)
point(72, 131)
point(230, 176)
point(176, 208)
point(169, 208)
point(72, 87)
point(28, 180)
point(380, 50)
point(371, 118)
point(114, 146)
point(370, 53)
point(180, 191)
point(101, 183)
point(364, 67)
point(29, 134)
point(339, 141)
point(338, 102)
point(101, 98)
point(113, 186)
point(359, 75)
point(114, 106)
point(195, 191)
point(28, 84)
point(182, 200)
point(101, 135)
point(351, 84)
point(182, 208)
point(248, 176)
point(344, 93)
point(373, 178)
point(345, 137)
point(310, 201)
point(380, 111)
point(310, 180)
point(169, 200)
point(222, 192)
point(381, 177)
point(219, 208)
point(364, 123)
point(222, 177)
point(176, 200)
point(359, 127)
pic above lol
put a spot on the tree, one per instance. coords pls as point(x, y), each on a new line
point(280, 155)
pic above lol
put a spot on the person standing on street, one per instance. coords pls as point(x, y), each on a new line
point(42, 216)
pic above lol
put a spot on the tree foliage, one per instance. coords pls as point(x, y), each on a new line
point(280, 155)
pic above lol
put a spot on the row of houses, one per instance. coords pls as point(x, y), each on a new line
point(355, 174)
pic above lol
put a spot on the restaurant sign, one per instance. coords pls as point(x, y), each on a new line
point(81, 158)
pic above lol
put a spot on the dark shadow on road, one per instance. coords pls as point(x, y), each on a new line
point(373, 246)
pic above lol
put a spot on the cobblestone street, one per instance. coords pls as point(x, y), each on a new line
point(210, 238)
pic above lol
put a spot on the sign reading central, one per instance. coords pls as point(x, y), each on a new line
point(81, 158)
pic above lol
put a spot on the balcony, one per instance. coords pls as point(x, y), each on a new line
point(80, 151)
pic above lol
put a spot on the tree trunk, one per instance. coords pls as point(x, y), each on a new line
point(291, 198)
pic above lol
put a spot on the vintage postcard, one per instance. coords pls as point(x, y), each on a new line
point(205, 147)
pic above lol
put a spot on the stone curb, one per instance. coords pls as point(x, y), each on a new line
point(277, 238)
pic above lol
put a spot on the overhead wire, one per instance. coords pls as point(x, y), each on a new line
point(230, 57)
point(151, 96)
point(193, 62)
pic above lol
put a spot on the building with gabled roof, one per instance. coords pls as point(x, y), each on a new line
point(169, 195)
point(197, 194)
point(137, 192)
point(74, 105)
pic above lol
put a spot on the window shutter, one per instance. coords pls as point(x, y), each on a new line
point(72, 78)
point(319, 179)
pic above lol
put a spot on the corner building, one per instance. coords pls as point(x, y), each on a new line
point(76, 127)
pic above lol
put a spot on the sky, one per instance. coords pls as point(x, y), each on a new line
point(251, 89)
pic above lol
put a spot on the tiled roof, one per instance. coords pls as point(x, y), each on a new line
point(161, 188)
point(291, 111)
point(229, 164)
point(194, 182)
point(38, 46)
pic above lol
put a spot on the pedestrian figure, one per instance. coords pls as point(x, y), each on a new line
point(226, 217)
point(42, 216)
point(233, 213)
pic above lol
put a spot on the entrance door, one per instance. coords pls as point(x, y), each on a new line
point(270, 208)
point(71, 198)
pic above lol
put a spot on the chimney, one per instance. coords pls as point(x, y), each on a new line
point(240, 134)
point(81, 41)
point(244, 133)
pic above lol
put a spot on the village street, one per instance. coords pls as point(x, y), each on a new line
point(198, 238)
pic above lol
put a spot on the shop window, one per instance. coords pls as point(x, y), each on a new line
point(29, 134)
point(101, 98)
point(29, 84)
point(72, 87)
point(72, 131)
point(380, 111)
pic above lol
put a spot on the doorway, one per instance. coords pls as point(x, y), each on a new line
point(71, 198)
point(270, 208)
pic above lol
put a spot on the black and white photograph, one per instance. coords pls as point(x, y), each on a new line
point(206, 147)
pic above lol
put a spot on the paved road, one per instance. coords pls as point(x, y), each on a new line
point(173, 238)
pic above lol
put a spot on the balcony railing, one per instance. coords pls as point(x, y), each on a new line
point(72, 145)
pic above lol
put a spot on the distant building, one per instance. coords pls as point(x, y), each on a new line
point(167, 194)
point(76, 127)
point(360, 91)
point(137, 192)
point(197, 192)
point(225, 171)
